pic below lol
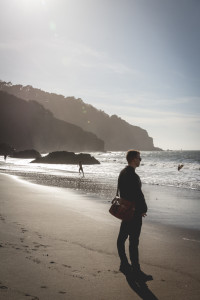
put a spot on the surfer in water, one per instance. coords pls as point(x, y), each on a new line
point(180, 167)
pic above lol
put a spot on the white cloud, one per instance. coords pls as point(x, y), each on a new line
point(157, 100)
point(77, 54)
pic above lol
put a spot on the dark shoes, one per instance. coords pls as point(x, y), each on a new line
point(138, 274)
point(135, 273)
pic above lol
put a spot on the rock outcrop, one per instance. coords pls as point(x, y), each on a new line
point(26, 154)
point(65, 157)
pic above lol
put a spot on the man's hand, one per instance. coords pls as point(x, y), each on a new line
point(144, 215)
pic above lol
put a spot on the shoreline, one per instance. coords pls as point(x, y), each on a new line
point(167, 205)
point(59, 244)
point(191, 234)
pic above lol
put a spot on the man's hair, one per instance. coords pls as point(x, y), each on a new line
point(131, 154)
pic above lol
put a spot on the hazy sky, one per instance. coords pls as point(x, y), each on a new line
point(139, 59)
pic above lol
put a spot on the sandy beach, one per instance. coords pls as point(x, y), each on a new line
point(56, 243)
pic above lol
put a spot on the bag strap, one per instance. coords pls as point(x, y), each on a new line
point(117, 194)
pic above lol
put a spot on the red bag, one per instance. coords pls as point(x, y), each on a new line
point(122, 209)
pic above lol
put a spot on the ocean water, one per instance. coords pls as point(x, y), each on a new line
point(157, 169)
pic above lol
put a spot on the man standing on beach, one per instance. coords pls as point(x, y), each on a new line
point(129, 187)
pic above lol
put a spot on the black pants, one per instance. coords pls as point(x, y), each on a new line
point(131, 229)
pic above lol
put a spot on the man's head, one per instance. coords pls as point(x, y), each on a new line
point(133, 158)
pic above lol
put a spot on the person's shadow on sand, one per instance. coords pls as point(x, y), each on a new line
point(140, 287)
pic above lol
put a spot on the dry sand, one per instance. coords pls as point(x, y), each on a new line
point(58, 244)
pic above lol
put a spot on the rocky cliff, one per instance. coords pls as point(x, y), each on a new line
point(117, 134)
point(28, 125)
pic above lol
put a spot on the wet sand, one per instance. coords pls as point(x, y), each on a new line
point(59, 244)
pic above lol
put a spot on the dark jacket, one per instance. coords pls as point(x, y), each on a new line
point(129, 186)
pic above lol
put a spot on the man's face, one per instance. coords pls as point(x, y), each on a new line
point(137, 160)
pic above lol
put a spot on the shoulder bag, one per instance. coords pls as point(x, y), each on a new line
point(122, 208)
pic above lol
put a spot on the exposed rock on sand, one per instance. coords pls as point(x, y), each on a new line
point(65, 157)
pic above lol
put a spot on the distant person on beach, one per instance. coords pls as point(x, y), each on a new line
point(129, 187)
point(5, 156)
point(81, 168)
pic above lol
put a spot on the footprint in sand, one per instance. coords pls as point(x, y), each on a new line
point(2, 218)
point(3, 287)
point(34, 297)
point(66, 266)
point(40, 245)
point(77, 274)
point(38, 234)
point(36, 260)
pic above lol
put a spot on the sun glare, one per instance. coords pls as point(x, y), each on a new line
point(32, 4)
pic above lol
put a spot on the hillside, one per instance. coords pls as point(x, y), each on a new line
point(28, 125)
point(117, 134)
